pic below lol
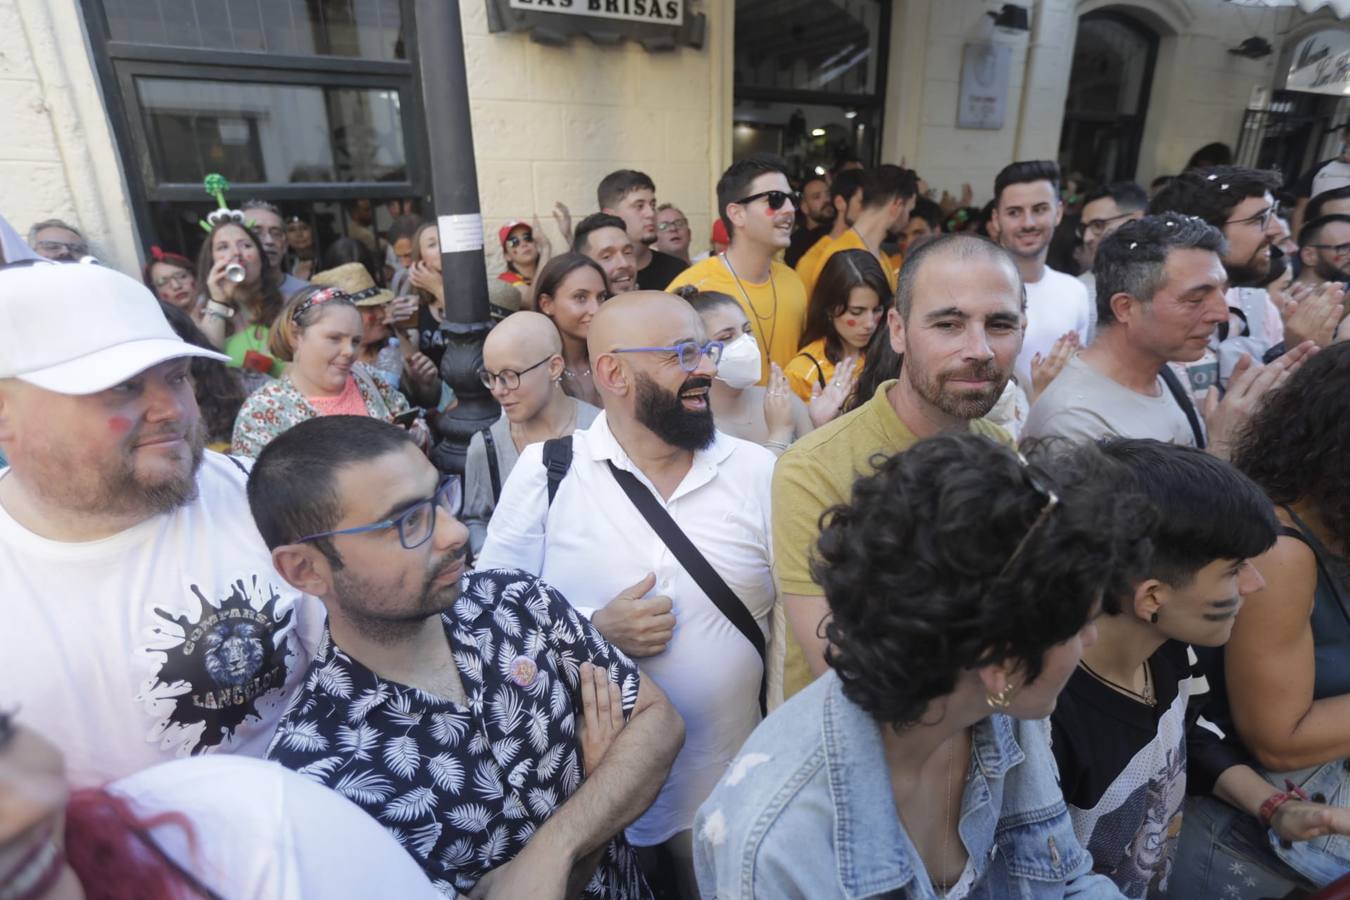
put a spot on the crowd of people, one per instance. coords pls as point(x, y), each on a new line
point(894, 546)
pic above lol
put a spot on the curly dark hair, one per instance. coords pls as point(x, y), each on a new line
point(1294, 446)
point(219, 391)
point(1212, 193)
point(912, 567)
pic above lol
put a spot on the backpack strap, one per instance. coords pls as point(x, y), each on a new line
point(494, 468)
point(1183, 400)
point(820, 370)
point(557, 459)
point(698, 567)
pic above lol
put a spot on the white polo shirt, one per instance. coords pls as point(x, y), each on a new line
point(593, 543)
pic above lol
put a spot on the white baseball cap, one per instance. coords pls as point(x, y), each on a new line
point(78, 328)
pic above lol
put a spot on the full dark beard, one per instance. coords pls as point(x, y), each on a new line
point(1254, 272)
point(664, 414)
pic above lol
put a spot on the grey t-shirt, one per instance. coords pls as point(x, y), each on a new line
point(478, 500)
point(1082, 404)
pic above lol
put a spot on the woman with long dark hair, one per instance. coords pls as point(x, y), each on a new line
point(218, 388)
point(847, 307)
point(569, 291)
point(1283, 681)
point(243, 295)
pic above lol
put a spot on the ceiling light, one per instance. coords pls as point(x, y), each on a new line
point(817, 132)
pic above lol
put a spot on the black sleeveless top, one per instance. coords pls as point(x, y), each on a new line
point(1330, 621)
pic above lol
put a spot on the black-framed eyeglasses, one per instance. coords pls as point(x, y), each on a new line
point(1098, 226)
point(417, 523)
point(689, 353)
point(1336, 249)
point(776, 199)
point(516, 240)
point(1261, 219)
point(507, 378)
point(676, 223)
point(1034, 479)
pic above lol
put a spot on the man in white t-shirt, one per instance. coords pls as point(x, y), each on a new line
point(1160, 297)
point(1026, 211)
point(653, 368)
point(143, 617)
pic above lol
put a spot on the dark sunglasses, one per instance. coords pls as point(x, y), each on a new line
point(776, 199)
point(516, 240)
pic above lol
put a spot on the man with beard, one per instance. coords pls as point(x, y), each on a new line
point(604, 238)
point(1027, 210)
point(757, 206)
point(1239, 202)
point(958, 323)
point(1324, 250)
point(631, 196)
point(128, 560)
point(814, 218)
point(271, 230)
point(846, 194)
point(1160, 297)
point(458, 710)
point(705, 641)
point(888, 194)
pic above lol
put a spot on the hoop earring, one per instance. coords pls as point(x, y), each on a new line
point(1002, 700)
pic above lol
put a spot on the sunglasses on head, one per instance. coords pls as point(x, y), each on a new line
point(776, 199)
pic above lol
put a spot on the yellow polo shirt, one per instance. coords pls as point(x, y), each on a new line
point(849, 240)
point(776, 308)
point(816, 473)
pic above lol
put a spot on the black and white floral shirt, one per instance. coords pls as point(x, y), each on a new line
point(463, 788)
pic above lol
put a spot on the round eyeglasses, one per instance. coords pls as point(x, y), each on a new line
point(509, 379)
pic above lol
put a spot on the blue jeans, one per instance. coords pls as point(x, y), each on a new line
point(1225, 852)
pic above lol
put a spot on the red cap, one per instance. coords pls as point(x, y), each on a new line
point(720, 235)
point(509, 227)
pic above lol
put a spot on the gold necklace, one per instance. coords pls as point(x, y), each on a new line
point(1148, 697)
point(772, 318)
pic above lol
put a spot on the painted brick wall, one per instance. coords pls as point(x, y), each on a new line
point(57, 157)
point(550, 122)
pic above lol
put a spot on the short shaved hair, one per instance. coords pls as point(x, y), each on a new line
point(962, 246)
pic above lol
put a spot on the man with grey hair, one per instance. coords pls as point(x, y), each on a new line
point(271, 231)
point(1160, 297)
point(57, 240)
point(958, 321)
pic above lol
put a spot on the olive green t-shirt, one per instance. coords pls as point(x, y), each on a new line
point(816, 473)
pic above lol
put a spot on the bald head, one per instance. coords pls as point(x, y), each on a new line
point(529, 333)
point(642, 319)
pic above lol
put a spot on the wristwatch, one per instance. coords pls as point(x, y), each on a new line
point(219, 310)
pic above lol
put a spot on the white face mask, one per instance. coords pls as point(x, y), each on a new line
point(740, 364)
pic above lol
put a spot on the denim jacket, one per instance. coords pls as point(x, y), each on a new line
point(806, 810)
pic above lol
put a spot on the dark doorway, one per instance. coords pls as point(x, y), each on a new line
point(1109, 86)
point(810, 80)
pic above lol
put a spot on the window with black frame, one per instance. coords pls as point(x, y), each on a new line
point(308, 104)
point(810, 81)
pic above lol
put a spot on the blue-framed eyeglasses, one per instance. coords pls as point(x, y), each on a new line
point(417, 523)
point(689, 353)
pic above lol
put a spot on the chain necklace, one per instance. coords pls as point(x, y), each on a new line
point(772, 318)
point(1148, 697)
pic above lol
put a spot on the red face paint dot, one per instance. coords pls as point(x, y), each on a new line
point(851, 323)
point(119, 425)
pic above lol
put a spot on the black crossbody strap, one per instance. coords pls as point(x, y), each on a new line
point(820, 370)
point(557, 459)
point(1183, 399)
point(494, 470)
point(698, 567)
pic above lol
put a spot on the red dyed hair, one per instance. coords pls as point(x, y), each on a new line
point(109, 847)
